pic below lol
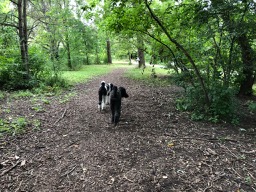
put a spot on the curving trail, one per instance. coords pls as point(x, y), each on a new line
point(154, 148)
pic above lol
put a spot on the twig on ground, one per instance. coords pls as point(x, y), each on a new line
point(67, 173)
point(125, 177)
point(62, 116)
point(230, 151)
point(201, 139)
point(19, 186)
point(8, 170)
point(209, 187)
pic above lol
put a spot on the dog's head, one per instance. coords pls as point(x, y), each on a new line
point(102, 83)
point(123, 92)
point(111, 86)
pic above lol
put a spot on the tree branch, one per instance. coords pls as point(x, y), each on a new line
point(182, 49)
point(9, 25)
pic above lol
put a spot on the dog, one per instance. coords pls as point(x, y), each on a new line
point(109, 88)
point(116, 96)
point(102, 96)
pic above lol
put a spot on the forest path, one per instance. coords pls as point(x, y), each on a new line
point(154, 147)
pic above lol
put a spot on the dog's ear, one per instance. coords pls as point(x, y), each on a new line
point(102, 83)
point(123, 92)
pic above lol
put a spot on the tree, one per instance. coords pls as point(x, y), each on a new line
point(204, 40)
point(239, 21)
point(109, 52)
point(21, 25)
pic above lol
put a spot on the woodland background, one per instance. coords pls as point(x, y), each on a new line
point(207, 45)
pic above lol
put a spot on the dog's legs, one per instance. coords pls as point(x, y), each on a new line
point(100, 102)
point(107, 99)
point(117, 113)
point(103, 103)
point(112, 107)
point(99, 106)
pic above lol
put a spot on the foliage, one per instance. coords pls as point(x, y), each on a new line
point(17, 125)
point(21, 94)
point(13, 126)
point(67, 97)
point(13, 76)
point(252, 106)
point(222, 103)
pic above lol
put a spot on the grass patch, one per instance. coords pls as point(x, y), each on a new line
point(13, 126)
point(22, 94)
point(89, 71)
point(67, 97)
point(152, 75)
point(17, 125)
point(72, 77)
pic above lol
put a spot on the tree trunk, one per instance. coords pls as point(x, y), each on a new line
point(248, 55)
point(130, 58)
point(22, 26)
point(109, 52)
point(69, 54)
point(248, 67)
point(141, 56)
point(97, 60)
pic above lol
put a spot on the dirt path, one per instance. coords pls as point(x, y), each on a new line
point(154, 148)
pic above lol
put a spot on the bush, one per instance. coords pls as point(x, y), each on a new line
point(252, 106)
point(13, 76)
point(222, 103)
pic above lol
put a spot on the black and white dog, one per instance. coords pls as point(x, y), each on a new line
point(109, 88)
point(115, 103)
point(102, 96)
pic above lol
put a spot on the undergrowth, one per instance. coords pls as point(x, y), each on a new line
point(13, 126)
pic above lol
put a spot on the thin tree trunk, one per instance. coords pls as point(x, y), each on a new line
point(109, 52)
point(130, 58)
point(22, 26)
point(141, 55)
point(97, 61)
point(68, 52)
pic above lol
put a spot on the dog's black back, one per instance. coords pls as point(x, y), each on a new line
point(115, 102)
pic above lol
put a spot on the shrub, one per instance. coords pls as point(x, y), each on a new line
point(252, 106)
point(13, 76)
point(222, 103)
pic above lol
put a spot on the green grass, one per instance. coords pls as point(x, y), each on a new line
point(89, 71)
point(158, 76)
point(22, 93)
point(13, 126)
